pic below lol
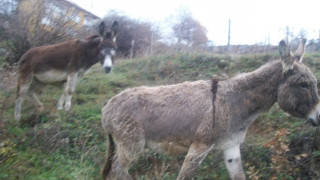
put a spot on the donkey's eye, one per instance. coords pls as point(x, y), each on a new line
point(112, 51)
point(304, 85)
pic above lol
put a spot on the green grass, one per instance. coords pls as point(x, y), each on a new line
point(71, 145)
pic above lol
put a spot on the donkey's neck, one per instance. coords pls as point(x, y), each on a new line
point(91, 58)
point(250, 94)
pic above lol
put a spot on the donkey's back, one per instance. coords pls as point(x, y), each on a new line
point(50, 64)
point(43, 58)
point(160, 113)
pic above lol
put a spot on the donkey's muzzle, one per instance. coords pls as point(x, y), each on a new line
point(315, 122)
point(107, 69)
point(314, 115)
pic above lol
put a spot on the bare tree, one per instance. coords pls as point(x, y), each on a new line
point(23, 28)
point(295, 39)
point(190, 32)
point(48, 24)
point(135, 38)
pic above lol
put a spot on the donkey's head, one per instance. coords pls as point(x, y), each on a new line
point(108, 45)
point(298, 92)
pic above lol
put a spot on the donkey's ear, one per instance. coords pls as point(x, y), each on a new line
point(114, 29)
point(286, 56)
point(102, 27)
point(300, 51)
point(284, 50)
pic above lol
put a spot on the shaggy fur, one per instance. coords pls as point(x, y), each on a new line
point(193, 118)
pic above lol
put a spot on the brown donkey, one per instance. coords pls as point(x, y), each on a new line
point(194, 118)
point(64, 64)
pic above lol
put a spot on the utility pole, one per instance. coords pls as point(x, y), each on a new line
point(151, 44)
point(91, 10)
point(287, 34)
point(229, 33)
point(131, 49)
point(268, 49)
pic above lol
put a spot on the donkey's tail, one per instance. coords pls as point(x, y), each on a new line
point(109, 156)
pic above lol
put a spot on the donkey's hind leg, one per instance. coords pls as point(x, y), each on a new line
point(37, 101)
point(196, 153)
point(35, 87)
point(120, 168)
point(127, 153)
point(22, 90)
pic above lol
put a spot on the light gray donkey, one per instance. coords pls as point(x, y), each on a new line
point(194, 118)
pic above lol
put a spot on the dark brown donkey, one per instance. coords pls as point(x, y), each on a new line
point(194, 118)
point(64, 64)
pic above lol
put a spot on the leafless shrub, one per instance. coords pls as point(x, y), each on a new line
point(42, 24)
point(136, 38)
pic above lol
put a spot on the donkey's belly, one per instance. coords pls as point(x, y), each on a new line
point(168, 147)
point(52, 76)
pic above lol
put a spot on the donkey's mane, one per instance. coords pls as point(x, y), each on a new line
point(250, 80)
point(214, 89)
point(92, 37)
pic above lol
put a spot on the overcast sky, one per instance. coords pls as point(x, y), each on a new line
point(252, 21)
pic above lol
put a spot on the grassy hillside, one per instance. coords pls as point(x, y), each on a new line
point(71, 145)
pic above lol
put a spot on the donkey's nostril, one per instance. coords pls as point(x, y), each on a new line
point(313, 122)
point(316, 122)
point(318, 116)
point(107, 69)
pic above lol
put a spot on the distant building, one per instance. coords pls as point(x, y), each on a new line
point(54, 14)
point(62, 8)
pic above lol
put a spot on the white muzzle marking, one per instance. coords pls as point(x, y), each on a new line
point(314, 115)
point(107, 63)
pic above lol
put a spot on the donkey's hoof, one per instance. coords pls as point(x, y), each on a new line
point(40, 108)
point(240, 176)
point(67, 108)
point(17, 117)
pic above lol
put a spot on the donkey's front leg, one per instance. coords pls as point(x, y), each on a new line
point(70, 86)
point(197, 152)
point(37, 101)
point(232, 159)
point(62, 98)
